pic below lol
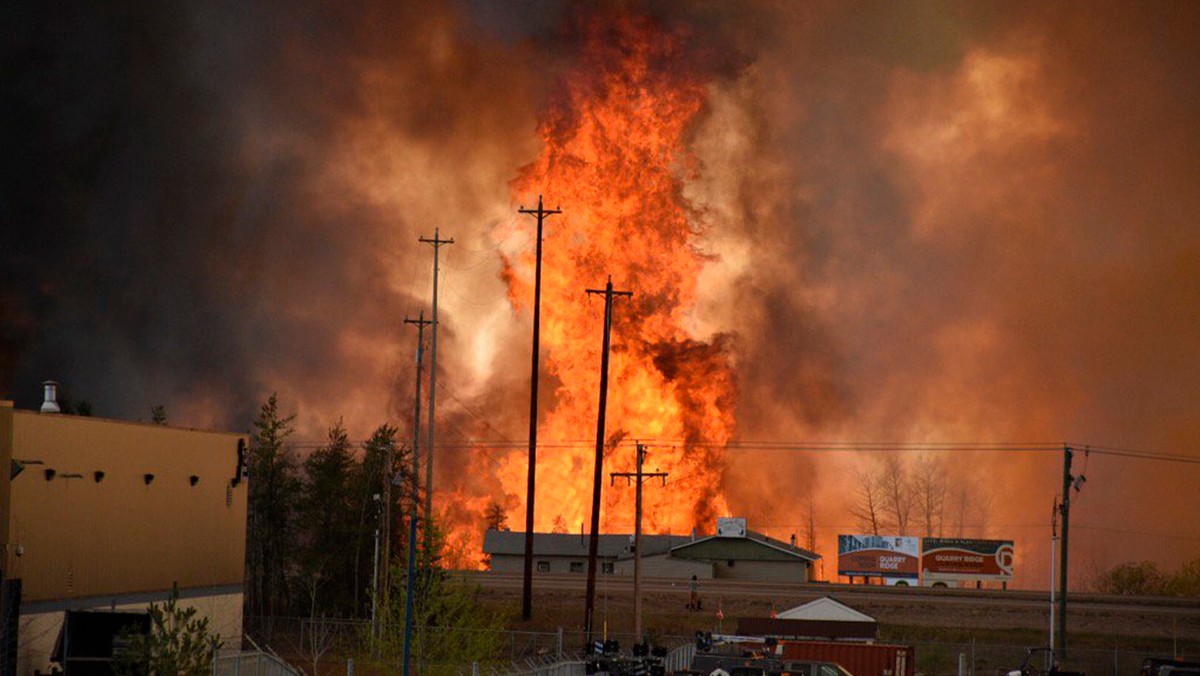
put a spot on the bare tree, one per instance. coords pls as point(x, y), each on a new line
point(317, 631)
point(896, 491)
point(969, 506)
point(929, 485)
point(321, 632)
point(868, 502)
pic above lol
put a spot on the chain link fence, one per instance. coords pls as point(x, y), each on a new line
point(990, 659)
point(251, 663)
point(298, 639)
point(562, 652)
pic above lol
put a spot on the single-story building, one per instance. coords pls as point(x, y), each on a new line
point(737, 553)
point(734, 553)
point(824, 618)
point(568, 552)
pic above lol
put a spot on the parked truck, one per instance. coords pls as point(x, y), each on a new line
point(1041, 662)
point(1168, 666)
point(755, 656)
point(860, 659)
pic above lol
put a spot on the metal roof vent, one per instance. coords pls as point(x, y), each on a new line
point(50, 403)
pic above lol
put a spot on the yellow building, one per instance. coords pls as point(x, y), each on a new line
point(104, 514)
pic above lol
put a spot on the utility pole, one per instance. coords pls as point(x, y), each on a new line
point(386, 525)
point(527, 588)
point(416, 496)
point(375, 580)
point(594, 543)
point(1069, 482)
point(437, 243)
point(639, 476)
point(1053, 564)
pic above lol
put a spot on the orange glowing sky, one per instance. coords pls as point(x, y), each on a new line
point(919, 223)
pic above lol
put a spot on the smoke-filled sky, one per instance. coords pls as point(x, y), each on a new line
point(922, 221)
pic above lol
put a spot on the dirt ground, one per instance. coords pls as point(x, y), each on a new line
point(987, 617)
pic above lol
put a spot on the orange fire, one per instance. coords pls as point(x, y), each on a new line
point(614, 159)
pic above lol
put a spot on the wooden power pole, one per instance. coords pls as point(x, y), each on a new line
point(437, 243)
point(416, 497)
point(594, 542)
point(1069, 482)
point(639, 476)
point(527, 586)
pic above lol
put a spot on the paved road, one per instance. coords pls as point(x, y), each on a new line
point(1092, 603)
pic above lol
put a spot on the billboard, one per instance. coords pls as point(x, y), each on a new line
point(894, 556)
point(962, 559)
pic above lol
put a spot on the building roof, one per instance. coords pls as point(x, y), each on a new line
point(825, 608)
point(512, 543)
point(751, 536)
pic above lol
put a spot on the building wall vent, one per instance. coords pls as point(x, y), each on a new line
point(50, 397)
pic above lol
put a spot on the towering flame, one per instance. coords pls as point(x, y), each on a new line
point(614, 159)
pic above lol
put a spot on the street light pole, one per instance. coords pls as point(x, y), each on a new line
point(1053, 561)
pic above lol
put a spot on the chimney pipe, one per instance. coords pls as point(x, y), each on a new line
point(50, 405)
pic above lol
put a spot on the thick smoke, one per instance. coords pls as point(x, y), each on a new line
point(207, 202)
point(968, 225)
point(929, 222)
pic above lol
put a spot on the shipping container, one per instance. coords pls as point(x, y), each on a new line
point(860, 659)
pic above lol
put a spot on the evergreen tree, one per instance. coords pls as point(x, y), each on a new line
point(327, 520)
point(273, 494)
point(494, 517)
point(368, 482)
point(178, 643)
point(450, 627)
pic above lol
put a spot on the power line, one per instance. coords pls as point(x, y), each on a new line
point(1145, 455)
point(827, 446)
point(1174, 536)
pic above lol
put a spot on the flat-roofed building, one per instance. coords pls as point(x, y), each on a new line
point(105, 514)
point(568, 552)
point(734, 553)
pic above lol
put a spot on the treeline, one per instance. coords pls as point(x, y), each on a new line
point(923, 497)
point(310, 553)
point(1144, 578)
point(310, 545)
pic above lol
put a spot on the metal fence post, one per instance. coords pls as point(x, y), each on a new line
point(560, 643)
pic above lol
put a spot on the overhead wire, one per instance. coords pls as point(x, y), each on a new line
point(831, 446)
